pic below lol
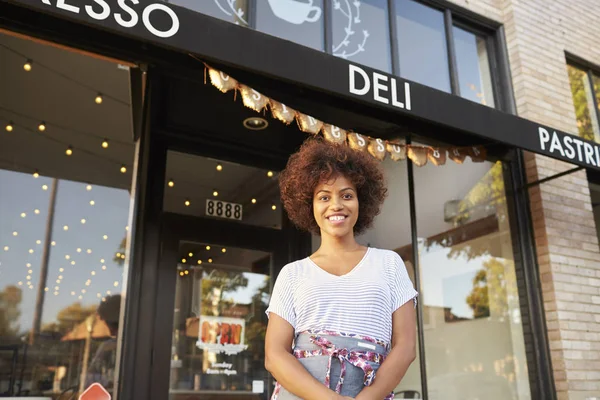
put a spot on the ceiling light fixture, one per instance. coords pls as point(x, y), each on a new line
point(255, 123)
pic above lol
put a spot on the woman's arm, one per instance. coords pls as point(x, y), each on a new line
point(403, 353)
point(286, 369)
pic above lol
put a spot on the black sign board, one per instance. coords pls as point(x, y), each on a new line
point(187, 31)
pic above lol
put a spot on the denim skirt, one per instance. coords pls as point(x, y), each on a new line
point(316, 352)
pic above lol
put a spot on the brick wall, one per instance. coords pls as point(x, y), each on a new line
point(538, 33)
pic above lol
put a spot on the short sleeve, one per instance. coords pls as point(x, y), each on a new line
point(282, 298)
point(401, 286)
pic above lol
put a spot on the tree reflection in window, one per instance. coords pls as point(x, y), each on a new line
point(587, 120)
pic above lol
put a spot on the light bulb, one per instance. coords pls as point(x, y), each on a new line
point(92, 202)
point(270, 174)
point(191, 254)
point(171, 183)
point(23, 215)
point(30, 251)
point(219, 167)
point(69, 151)
point(116, 284)
point(104, 268)
point(53, 243)
point(187, 272)
point(6, 248)
point(215, 193)
point(72, 262)
point(15, 233)
point(274, 207)
point(105, 144)
point(88, 187)
point(123, 169)
point(61, 270)
point(79, 250)
point(102, 261)
point(181, 273)
point(83, 221)
point(89, 251)
point(36, 174)
point(66, 227)
point(67, 257)
point(253, 201)
point(27, 66)
point(199, 262)
point(38, 242)
point(224, 250)
point(36, 211)
point(105, 237)
point(9, 127)
point(46, 289)
point(207, 247)
point(210, 260)
point(30, 271)
point(42, 126)
point(187, 203)
point(99, 98)
point(20, 283)
point(93, 273)
point(183, 260)
point(44, 187)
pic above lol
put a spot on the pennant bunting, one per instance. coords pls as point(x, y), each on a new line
point(253, 99)
point(397, 151)
point(418, 155)
point(357, 141)
point(282, 112)
point(308, 124)
point(334, 134)
point(437, 156)
point(457, 154)
point(222, 81)
point(377, 149)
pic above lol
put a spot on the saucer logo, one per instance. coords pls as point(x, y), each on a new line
point(298, 12)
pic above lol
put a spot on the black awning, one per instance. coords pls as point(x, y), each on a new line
point(186, 31)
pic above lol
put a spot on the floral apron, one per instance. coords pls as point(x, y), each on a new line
point(352, 360)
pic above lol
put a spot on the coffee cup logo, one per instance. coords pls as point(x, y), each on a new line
point(295, 11)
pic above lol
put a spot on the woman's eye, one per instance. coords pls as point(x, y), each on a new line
point(347, 196)
point(324, 198)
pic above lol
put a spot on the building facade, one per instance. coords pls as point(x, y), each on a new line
point(140, 224)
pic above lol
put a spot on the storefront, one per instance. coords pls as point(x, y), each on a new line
point(141, 226)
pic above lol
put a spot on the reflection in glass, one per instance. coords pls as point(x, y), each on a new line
point(235, 11)
point(587, 120)
point(472, 323)
point(473, 67)
point(64, 219)
point(301, 22)
point(422, 47)
point(220, 320)
point(206, 187)
point(361, 33)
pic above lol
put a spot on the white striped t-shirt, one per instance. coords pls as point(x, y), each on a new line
point(360, 302)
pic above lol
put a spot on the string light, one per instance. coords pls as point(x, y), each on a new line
point(15, 233)
point(36, 211)
point(99, 98)
point(83, 221)
point(44, 187)
point(104, 268)
point(30, 251)
point(118, 255)
point(27, 66)
point(23, 215)
point(105, 237)
point(210, 260)
point(183, 260)
point(88, 187)
point(42, 126)
point(215, 193)
point(93, 273)
point(219, 167)
point(187, 203)
point(68, 257)
point(28, 265)
point(224, 250)
point(199, 262)
point(60, 277)
point(20, 283)
point(92, 202)
point(171, 183)
point(9, 126)
point(253, 201)
point(66, 227)
point(207, 247)
point(102, 261)
point(6, 248)
point(46, 289)
point(61, 269)
point(181, 273)
point(105, 144)
point(79, 249)
point(116, 284)
point(36, 174)
point(38, 242)
point(72, 262)
point(72, 293)
point(30, 271)
point(274, 207)
point(191, 254)
point(53, 243)
point(270, 174)
point(69, 151)
point(89, 251)
point(123, 169)
point(80, 297)
point(187, 272)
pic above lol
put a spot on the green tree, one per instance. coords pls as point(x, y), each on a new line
point(69, 317)
point(10, 300)
point(494, 289)
point(581, 99)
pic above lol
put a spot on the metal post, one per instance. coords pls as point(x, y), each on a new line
point(39, 303)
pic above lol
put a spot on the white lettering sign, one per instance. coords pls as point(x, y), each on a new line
point(584, 152)
point(127, 16)
point(383, 89)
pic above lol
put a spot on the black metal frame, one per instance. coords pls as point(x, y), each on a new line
point(141, 336)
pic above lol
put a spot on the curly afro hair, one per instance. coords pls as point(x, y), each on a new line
point(319, 161)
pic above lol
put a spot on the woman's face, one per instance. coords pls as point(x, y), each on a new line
point(335, 207)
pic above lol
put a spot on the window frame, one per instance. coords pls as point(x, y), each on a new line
point(590, 70)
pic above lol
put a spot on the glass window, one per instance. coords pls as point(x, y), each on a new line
point(235, 11)
point(298, 21)
point(206, 187)
point(587, 118)
point(473, 65)
point(66, 165)
point(361, 32)
point(220, 321)
point(469, 285)
point(422, 47)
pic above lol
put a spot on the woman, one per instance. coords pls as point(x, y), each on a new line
point(344, 307)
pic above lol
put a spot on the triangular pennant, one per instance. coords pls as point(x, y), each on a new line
point(282, 112)
point(377, 148)
point(397, 151)
point(418, 155)
point(478, 153)
point(457, 154)
point(308, 124)
point(253, 99)
point(222, 81)
point(358, 141)
point(437, 156)
point(334, 134)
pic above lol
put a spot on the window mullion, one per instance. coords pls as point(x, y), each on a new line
point(451, 53)
point(394, 37)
